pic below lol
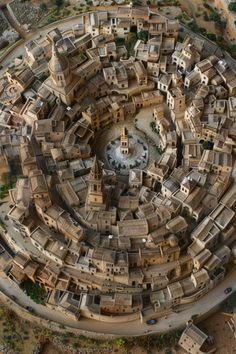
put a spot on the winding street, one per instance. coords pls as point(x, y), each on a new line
point(205, 305)
point(202, 307)
point(19, 50)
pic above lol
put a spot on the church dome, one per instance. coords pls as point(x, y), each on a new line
point(58, 63)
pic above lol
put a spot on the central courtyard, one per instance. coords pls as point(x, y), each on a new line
point(142, 147)
point(136, 155)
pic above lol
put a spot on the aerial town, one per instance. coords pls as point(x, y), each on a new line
point(124, 205)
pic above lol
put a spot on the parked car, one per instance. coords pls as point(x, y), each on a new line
point(151, 322)
point(228, 290)
point(30, 309)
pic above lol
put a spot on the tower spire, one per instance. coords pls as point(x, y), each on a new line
point(96, 198)
point(96, 169)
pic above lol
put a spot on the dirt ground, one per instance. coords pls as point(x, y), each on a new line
point(193, 8)
point(217, 326)
point(49, 348)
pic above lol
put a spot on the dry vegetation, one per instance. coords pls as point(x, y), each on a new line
point(20, 336)
point(38, 13)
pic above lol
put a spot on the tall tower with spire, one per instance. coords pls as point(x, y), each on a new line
point(96, 197)
point(124, 141)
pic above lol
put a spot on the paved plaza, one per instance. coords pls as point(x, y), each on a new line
point(145, 152)
point(136, 158)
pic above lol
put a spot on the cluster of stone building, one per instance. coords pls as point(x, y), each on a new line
point(105, 247)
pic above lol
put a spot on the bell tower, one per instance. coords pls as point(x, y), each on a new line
point(124, 141)
point(95, 197)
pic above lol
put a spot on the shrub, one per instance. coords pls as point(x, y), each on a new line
point(130, 41)
point(211, 36)
point(121, 342)
point(194, 317)
point(229, 304)
point(143, 35)
point(232, 6)
point(206, 17)
point(207, 145)
point(58, 3)
point(43, 7)
point(34, 291)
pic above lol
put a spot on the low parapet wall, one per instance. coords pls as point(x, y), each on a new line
point(110, 319)
point(10, 49)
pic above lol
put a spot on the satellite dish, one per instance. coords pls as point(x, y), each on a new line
point(144, 240)
point(110, 237)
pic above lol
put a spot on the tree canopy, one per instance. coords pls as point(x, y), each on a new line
point(143, 35)
point(59, 3)
point(130, 41)
point(232, 6)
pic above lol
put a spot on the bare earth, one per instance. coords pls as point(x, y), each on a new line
point(217, 327)
point(49, 348)
point(194, 7)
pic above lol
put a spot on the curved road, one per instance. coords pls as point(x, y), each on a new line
point(64, 24)
point(67, 23)
point(135, 328)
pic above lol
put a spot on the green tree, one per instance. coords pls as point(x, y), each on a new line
point(207, 145)
point(153, 125)
point(202, 30)
point(194, 317)
point(211, 36)
point(75, 345)
point(43, 7)
point(59, 3)
point(229, 304)
point(130, 41)
point(232, 6)
point(120, 41)
point(136, 2)
point(205, 16)
point(194, 27)
point(231, 48)
point(34, 291)
point(143, 35)
point(215, 16)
